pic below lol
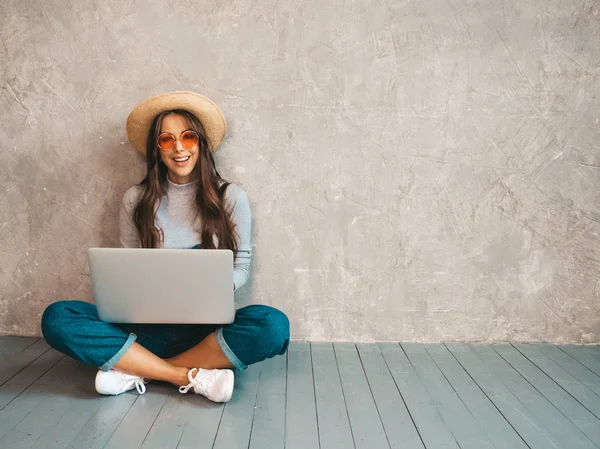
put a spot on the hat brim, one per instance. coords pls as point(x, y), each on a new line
point(210, 115)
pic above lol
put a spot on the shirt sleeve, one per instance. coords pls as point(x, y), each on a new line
point(128, 233)
point(242, 221)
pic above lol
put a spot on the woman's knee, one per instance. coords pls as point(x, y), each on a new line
point(57, 317)
point(258, 333)
point(280, 322)
point(51, 319)
point(275, 328)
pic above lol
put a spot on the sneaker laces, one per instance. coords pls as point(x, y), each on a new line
point(194, 382)
point(140, 386)
point(139, 382)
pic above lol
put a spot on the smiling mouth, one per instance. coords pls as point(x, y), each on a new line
point(181, 159)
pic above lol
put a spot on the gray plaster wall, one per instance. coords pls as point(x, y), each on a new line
point(417, 170)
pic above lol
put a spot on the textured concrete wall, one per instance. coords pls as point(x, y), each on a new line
point(418, 170)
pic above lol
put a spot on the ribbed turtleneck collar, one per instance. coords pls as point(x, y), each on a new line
point(190, 187)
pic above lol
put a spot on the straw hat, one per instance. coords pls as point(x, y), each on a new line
point(210, 115)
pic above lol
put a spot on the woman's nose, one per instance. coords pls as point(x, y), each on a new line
point(178, 146)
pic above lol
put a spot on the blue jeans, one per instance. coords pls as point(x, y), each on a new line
point(73, 328)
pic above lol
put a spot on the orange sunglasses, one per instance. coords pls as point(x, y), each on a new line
point(166, 141)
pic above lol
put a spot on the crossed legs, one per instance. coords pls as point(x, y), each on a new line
point(141, 362)
point(73, 327)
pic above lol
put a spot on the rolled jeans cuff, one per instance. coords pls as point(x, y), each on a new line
point(115, 358)
point(237, 363)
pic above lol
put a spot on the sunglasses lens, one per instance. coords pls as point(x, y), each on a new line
point(166, 142)
point(189, 139)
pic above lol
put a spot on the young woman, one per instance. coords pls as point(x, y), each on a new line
point(182, 203)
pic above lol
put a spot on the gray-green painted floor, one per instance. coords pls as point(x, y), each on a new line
point(321, 395)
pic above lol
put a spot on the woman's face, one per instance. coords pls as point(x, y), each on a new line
point(180, 161)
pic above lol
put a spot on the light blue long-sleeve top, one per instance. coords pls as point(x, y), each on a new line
point(177, 218)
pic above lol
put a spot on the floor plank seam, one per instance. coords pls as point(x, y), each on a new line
point(218, 427)
point(503, 384)
point(486, 395)
point(117, 426)
point(403, 400)
point(343, 395)
point(287, 363)
point(312, 368)
point(591, 371)
point(181, 436)
point(440, 414)
point(451, 386)
point(86, 423)
point(254, 412)
point(373, 396)
point(25, 367)
point(571, 373)
point(32, 383)
point(154, 420)
point(542, 395)
point(528, 382)
point(550, 377)
point(29, 346)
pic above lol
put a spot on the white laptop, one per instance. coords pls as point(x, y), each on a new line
point(141, 285)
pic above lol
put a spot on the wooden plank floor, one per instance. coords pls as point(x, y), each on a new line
point(320, 395)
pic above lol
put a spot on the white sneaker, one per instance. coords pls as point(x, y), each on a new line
point(215, 384)
point(115, 382)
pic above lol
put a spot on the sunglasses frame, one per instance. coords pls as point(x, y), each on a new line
point(175, 139)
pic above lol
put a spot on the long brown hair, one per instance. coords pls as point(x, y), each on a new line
point(215, 218)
